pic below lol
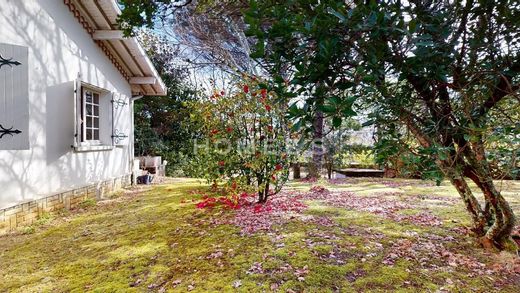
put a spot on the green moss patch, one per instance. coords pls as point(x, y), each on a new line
point(156, 240)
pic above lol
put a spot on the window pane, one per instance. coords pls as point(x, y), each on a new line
point(88, 97)
point(91, 113)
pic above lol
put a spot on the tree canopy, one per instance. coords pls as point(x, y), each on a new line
point(437, 68)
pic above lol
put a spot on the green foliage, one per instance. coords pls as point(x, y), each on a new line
point(28, 230)
point(340, 151)
point(143, 13)
point(503, 140)
point(162, 124)
point(363, 157)
point(87, 203)
point(396, 149)
point(163, 128)
point(401, 61)
point(304, 39)
point(44, 218)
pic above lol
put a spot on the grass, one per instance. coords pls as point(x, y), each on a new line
point(155, 240)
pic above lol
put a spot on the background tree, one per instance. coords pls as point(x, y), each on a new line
point(162, 124)
point(209, 33)
point(503, 142)
point(437, 67)
point(336, 144)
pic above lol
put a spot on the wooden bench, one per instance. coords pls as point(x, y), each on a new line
point(351, 172)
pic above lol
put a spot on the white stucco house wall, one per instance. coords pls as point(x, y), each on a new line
point(68, 80)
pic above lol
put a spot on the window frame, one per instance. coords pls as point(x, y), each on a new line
point(85, 117)
point(81, 144)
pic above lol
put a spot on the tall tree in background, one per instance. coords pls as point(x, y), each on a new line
point(437, 67)
point(312, 63)
point(214, 31)
point(209, 33)
point(336, 144)
point(162, 124)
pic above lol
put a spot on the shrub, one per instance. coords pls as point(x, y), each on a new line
point(245, 139)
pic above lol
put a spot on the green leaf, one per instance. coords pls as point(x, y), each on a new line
point(334, 100)
point(336, 121)
point(327, 108)
point(348, 112)
point(340, 16)
point(412, 25)
point(298, 125)
point(369, 123)
point(294, 110)
point(259, 50)
point(372, 18)
point(369, 78)
point(350, 100)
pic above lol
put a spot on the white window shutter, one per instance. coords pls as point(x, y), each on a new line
point(121, 119)
point(14, 97)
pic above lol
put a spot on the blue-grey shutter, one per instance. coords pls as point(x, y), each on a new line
point(121, 119)
point(77, 113)
point(14, 97)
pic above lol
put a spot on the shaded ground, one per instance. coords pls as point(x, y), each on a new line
point(347, 235)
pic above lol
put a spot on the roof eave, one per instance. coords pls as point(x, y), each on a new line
point(127, 54)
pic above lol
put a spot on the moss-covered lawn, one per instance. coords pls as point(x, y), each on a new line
point(156, 240)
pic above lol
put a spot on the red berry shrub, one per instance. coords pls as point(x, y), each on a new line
point(243, 140)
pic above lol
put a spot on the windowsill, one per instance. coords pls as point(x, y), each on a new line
point(93, 148)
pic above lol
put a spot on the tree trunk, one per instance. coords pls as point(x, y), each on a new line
point(471, 174)
point(495, 222)
point(266, 191)
point(260, 190)
point(472, 205)
point(316, 165)
point(504, 218)
point(329, 170)
point(263, 193)
point(297, 171)
point(499, 214)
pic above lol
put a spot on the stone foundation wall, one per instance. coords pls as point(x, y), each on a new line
point(26, 213)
